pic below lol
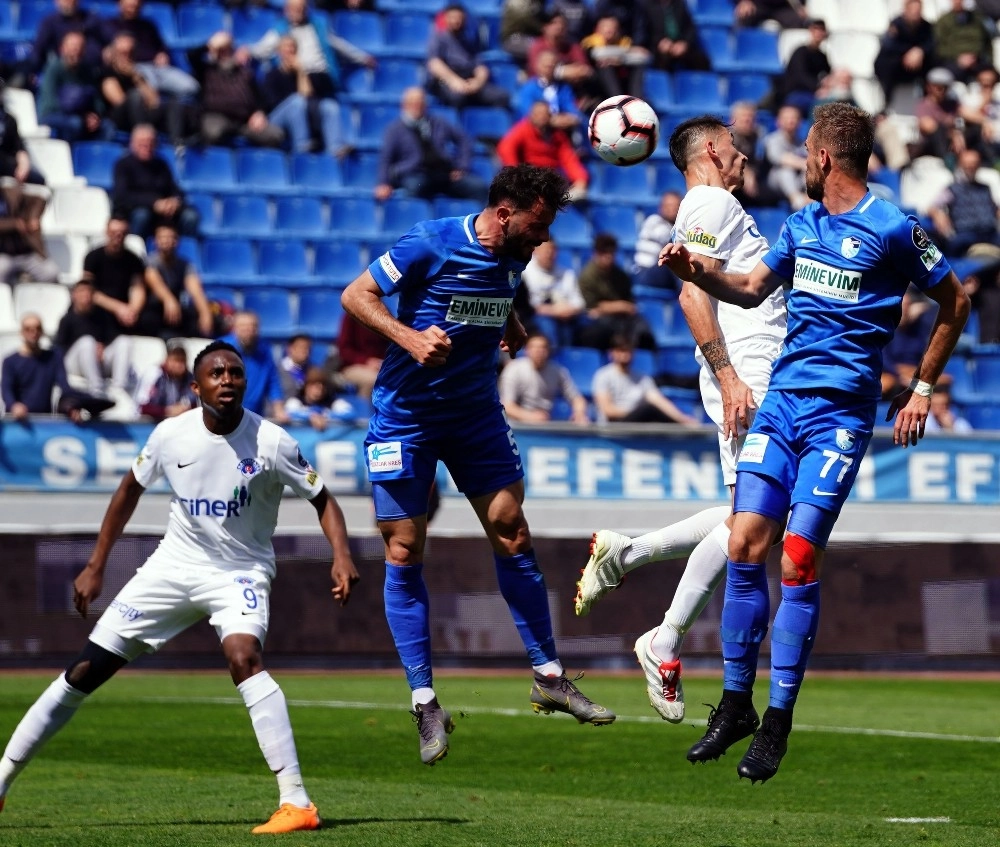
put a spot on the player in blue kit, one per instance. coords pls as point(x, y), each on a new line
point(849, 259)
point(436, 398)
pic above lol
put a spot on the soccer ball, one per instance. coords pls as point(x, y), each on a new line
point(624, 130)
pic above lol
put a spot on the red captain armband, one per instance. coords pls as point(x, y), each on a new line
point(803, 555)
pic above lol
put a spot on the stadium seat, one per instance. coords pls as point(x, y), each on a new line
point(698, 92)
point(8, 320)
point(29, 16)
point(455, 207)
point(922, 182)
point(320, 313)
point(666, 177)
point(870, 16)
point(262, 170)
point(20, 104)
point(572, 229)
point(393, 76)
point(505, 74)
point(68, 252)
point(677, 360)
point(769, 221)
point(228, 261)
point(146, 354)
point(960, 370)
point(224, 294)
point(49, 300)
point(619, 219)
point(756, 51)
point(245, 216)
point(300, 217)
point(373, 119)
point(95, 161)
point(407, 33)
point(162, 14)
point(83, 211)
point(987, 369)
point(206, 206)
point(198, 22)
point(855, 51)
point(360, 171)
point(712, 12)
point(54, 160)
point(658, 90)
point(251, 23)
point(983, 415)
point(582, 363)
point(273, 306)
point(486, 123)
point(400, 214)
point(354, 217)
point(644, 362)
point(718, 44)
point(620, 184)
point(656, 315)
point(338, 262)
point(284, 263)
point(190, 248)
point(313, 173)
point(362, 29)
point(747, 86)
point(208, 169)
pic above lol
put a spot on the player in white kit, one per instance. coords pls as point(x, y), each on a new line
point(227, 468)
point(735, 348)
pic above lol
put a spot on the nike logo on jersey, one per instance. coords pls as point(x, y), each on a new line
point(819, 493)
point(185, 464)
point(464, 276)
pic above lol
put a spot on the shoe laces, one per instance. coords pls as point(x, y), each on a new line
point(566, 686)
point(769, 737)
point(425, 722)
point(724, 710)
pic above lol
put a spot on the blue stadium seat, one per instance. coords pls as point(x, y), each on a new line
point(717, 42)
point(162, 14)
point(769, 221)
point(655, 313)
point(961, 371)
point(983, 415)
point(505, 74)
point(658, 90)
point(747, 86)
point(429, 7)
point(313, 173)
point(400, 214)
point(688, 400)
point(320, 313)
point(206, 206)
point(224, 294)
point(284, 263)
point(198, 22)
point(677, 360)
point(757, 51)
point(393, 76)
point(28, 18)
point(227, 261)
point(698, 92)
point(95, 161)
point(262, 170)
point(354, 217)
point(273, 306)
point(338, 262)
point(374, 118)
point(582, 363)
point(712, 12)
point(362, 29)
point(624, 184)
point(455, 207)
point(572, 229)
point(251, 23)
point(486, 123)
point(360, 170)
point(208, 169)
point(169, 155)
point(666, 177)
point(987, 368)
point(618, 219)
point(644, 362)
point(189, 249)
point(407, 33)
point(245, 216)
point(300, 217)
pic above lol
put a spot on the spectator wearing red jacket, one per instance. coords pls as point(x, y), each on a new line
point(361, 353)
point(533, 141)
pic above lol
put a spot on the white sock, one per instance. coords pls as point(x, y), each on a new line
point(269, 715)
point(421, 696)
point(706, 567)
point(47, 715)
point(553, 668)
point(675, 541)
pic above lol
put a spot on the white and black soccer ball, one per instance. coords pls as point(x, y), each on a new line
point(624, 130)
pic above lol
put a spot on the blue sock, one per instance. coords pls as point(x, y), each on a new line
point(744, 623)
point(792, 640)
point(523, 587)
point(407, 609)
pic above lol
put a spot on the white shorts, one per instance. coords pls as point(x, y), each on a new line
point(165, 598)
point(752, 360)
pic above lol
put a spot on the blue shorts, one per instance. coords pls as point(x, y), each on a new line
point(811, 443)
point(479, 452)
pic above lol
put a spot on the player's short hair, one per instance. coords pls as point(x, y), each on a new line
point(848, 133)
point(525, 185)
point(689, 134)
point(214, 347)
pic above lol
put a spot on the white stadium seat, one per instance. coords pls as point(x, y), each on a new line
point(147, 354)
point(53, 158)
point(861, 16)
point(67, 251)
point(49, 300)
point(21, 105)
point(922, 183)
point(8, 320)
point(84, 211)
point(855, 51)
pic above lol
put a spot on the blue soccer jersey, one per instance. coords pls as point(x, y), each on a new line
point(848, 274)
point(445, 278)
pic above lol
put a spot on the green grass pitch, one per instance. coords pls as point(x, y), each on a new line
point(161, 758)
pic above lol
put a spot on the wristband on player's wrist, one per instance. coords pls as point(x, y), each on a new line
point(924, 389)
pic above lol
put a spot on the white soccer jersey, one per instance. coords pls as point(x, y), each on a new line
point(711, 222)
point(227, 488)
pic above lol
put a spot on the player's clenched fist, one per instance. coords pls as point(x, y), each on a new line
point(431, 347)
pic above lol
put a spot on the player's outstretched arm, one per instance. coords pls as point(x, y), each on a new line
point(746, 290)
point(737, 398)
point(89, 582)
point(912, 405)
point(331, 520)
point(362, 300)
